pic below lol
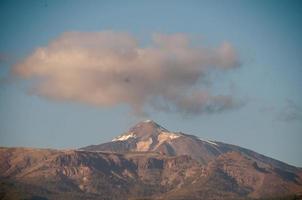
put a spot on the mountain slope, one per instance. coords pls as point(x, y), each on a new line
point(52, 174)
point(149, 136)
point(147, 162)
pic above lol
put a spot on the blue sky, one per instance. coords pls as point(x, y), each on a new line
point(266, 36)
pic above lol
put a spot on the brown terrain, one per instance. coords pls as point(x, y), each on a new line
point(147, 162)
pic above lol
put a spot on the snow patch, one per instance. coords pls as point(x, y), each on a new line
point(163, 136)
point(209, 141)
point(144, 145)
point(124, 137)
point(213, 143)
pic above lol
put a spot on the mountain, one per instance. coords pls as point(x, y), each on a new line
point(149, 136)
point(146, 162)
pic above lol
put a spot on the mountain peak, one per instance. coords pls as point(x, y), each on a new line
point(147, 126)
point(142, 130)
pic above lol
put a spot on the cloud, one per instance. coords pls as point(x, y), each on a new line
point(110, 68)
point(291, 112)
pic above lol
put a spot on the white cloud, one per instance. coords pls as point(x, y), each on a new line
point(109, 68)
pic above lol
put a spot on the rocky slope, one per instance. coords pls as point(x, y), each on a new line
point(148, 136)
point(148, 162)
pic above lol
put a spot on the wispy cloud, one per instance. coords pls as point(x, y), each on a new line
point(109, 68)
point(290, 112)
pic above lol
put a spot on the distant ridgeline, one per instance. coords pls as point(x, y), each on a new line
point(147, 162)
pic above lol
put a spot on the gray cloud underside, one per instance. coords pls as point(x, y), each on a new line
point(109, 68)
point(290, 112)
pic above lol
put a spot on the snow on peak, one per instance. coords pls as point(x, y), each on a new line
point(144, 145)
point(124, 137)
point(213, 143)
point(148, 122)
point(209, 141)
point(163, 136)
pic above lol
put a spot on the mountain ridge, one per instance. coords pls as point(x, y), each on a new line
point(150, 129)
point(146, 162)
